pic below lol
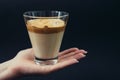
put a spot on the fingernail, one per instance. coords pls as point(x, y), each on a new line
point(77, 61)
point(83, 55)
point(86, 52)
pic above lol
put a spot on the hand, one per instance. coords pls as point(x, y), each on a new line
point(23, 63)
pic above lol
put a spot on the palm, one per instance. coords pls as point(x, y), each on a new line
point(24, 61)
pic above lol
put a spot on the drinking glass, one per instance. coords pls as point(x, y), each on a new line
point(46, 30)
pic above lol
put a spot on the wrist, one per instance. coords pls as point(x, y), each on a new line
point(7, 71)
point(4, 66)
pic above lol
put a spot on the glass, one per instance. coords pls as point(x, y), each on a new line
point(46, 30)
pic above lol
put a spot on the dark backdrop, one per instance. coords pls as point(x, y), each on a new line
point(93, 25)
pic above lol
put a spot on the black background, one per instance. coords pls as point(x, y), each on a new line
point(93, 25)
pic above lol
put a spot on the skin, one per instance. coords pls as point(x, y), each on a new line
point(23, 63)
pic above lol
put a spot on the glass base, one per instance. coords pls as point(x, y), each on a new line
point(43, 62)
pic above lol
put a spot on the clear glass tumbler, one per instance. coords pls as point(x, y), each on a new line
point(46, 30)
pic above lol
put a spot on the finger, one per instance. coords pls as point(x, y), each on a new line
point(77, 56)
point(83, 51)
point(64, 64)
point(72, 54)
point(68, 51)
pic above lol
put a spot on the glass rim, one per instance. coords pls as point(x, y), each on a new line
point(60, 16)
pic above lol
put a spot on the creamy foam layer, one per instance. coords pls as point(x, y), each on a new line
point(45, 25)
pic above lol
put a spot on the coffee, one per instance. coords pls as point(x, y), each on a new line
point(46, 36)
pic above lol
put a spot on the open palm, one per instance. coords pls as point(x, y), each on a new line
point(24, 64)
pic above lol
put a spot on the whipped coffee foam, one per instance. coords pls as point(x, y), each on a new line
point(50, 23)
point(46, 26)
